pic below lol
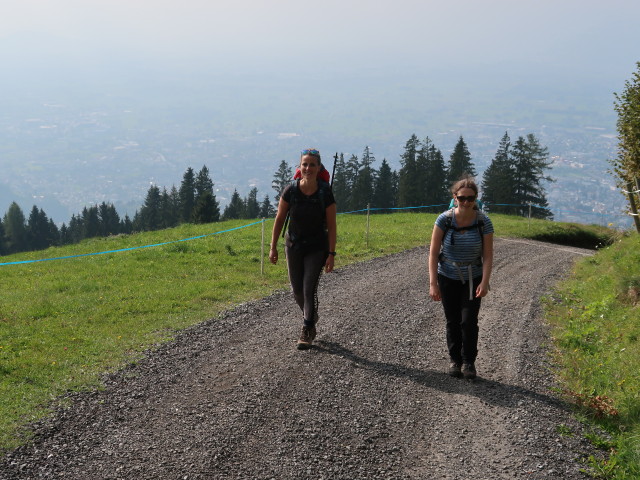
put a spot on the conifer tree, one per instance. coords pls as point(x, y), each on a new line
point(266, 209)
point(39, 235)
point(498, 181)
point(206, 209)
point(362, 194)
point(187, 194)
point(384, 192)
point(460, 164)
point(530, 160)
point(252, 207)
point(281, 179)
point(90, 222)
point(407, 183)
point(3, 240)
point(437, 193)
point(15, 229)
point(341, 185)
point(149, 217)
point(109, 219)
point(235, 208)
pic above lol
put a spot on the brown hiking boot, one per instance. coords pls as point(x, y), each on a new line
point(469, 371)
point(454, 369)
point(306, 338)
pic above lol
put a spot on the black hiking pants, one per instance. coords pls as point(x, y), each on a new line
point(462, 318)
point(305, 268)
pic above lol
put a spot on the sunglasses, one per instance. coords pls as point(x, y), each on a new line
point(470, 198)
point(310, 151)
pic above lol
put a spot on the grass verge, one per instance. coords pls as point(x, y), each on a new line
point(595, 317)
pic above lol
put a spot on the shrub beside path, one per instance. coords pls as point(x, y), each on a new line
point(233, 399)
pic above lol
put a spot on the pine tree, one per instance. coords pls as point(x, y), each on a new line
point(384, 192)
point(206, 210)
point(90, 222)
point(235, 208)
point(407, 183)
point(187, 194)
point(498, 181)
point(530, 160)
point(38, 235)
point(3, 240)
point(109, 220)
point(266, 209)
point(252, 207)
point(341, 188)
point(15, 229)
point(149, 217)
point(364, 183)
point(460, 164)
point(281, 179)
point(436, 178)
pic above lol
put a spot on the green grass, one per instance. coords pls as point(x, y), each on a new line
point(596, 324)
point(63, 323)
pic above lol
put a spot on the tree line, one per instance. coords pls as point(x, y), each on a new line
point(512, 181)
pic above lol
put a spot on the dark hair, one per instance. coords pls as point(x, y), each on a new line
point(465, 182)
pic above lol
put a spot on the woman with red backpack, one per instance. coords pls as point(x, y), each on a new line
point(310, 241)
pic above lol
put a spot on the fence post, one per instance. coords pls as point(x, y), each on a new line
point(262, 250)
point(529, 225)
point(368, 211)
point(632, 203)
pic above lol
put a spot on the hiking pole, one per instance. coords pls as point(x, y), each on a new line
point(335, 160)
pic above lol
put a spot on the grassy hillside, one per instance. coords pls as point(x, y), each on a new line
point(64, 322)
point(596, 320)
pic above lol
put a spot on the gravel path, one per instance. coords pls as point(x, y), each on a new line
point(233, 399)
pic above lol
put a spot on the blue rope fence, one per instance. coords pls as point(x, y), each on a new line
point(130, 248)
point(260, 221)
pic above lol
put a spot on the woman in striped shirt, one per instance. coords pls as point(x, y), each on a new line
point(460, 262)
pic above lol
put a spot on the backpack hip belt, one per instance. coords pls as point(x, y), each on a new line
point(469, 266)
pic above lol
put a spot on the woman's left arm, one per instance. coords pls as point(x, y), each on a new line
point(487, 265)
point(331, 213)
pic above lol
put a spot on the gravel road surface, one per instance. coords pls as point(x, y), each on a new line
point(233, 399)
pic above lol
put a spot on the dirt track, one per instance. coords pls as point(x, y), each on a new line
point(233, 398)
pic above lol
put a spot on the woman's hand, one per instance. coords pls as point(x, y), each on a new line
point(273, 255)
point(328, 265)
point(482, 290)
point(434, 292)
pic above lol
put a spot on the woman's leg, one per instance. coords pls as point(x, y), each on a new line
point(313, 264)
point(295, 267)
point(451, 295)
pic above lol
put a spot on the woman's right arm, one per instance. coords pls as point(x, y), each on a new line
point(283, 208)
point(434, 253)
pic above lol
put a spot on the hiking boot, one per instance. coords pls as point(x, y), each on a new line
point(306, 338)
point(469, 371)
point(454, 370)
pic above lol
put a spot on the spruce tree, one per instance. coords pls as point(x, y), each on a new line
point(187, 194)
point(281, 179)
point(437, 193)
point(530, 160)
point(627, 105)
point(460, 164)
point(384, 192)
point(252, 207)
point(235, 208)
point(498, 181)
point(206, 209)
point(15, 229)
point(407, 182)
point(3, 240)
point(364, 183)
point(266, 209)
point(341, 188)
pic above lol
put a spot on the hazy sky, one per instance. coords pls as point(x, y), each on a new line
point(580, 34)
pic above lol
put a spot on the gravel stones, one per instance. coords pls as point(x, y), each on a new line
point(232, 398)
